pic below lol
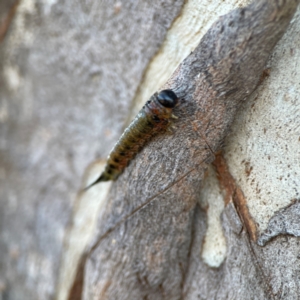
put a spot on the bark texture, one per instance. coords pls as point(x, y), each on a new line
point(7, 11)
point(61, 82)
point(144, 241)
point(71, 76)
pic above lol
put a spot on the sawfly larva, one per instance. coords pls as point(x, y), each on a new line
point(153, 118)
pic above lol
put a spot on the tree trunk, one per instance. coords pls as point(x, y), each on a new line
point(173, 226)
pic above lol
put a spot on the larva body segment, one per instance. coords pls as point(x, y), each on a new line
point(152, 119)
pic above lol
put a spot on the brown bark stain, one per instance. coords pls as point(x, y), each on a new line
point(265, 74)
point(117, 8)
point(77, 287)
point(248, 168)
point(235, 194)
point(104, 290)
point(4, 26)
point(154, 255)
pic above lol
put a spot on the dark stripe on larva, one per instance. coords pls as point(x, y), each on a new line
point(152, 119)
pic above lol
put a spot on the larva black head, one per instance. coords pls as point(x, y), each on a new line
point(167, 98)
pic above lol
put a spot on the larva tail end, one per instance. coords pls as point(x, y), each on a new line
point(102, 177)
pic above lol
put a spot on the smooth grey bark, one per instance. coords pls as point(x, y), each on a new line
point(68, 73)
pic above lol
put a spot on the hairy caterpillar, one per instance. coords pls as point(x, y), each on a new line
point(152, 119)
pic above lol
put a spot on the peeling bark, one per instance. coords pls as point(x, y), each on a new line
point(235, 194)
point(142, 248)
point(72, 74)
point(285, 221)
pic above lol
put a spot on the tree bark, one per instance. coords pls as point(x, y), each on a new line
point(171, 226)
point(68, 72)
point(146, 231)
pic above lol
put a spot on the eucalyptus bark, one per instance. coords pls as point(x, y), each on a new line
point(68, 70)
point(144, 244)
point(72, 73)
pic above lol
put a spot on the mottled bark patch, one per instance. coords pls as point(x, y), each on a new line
point(285, 221)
